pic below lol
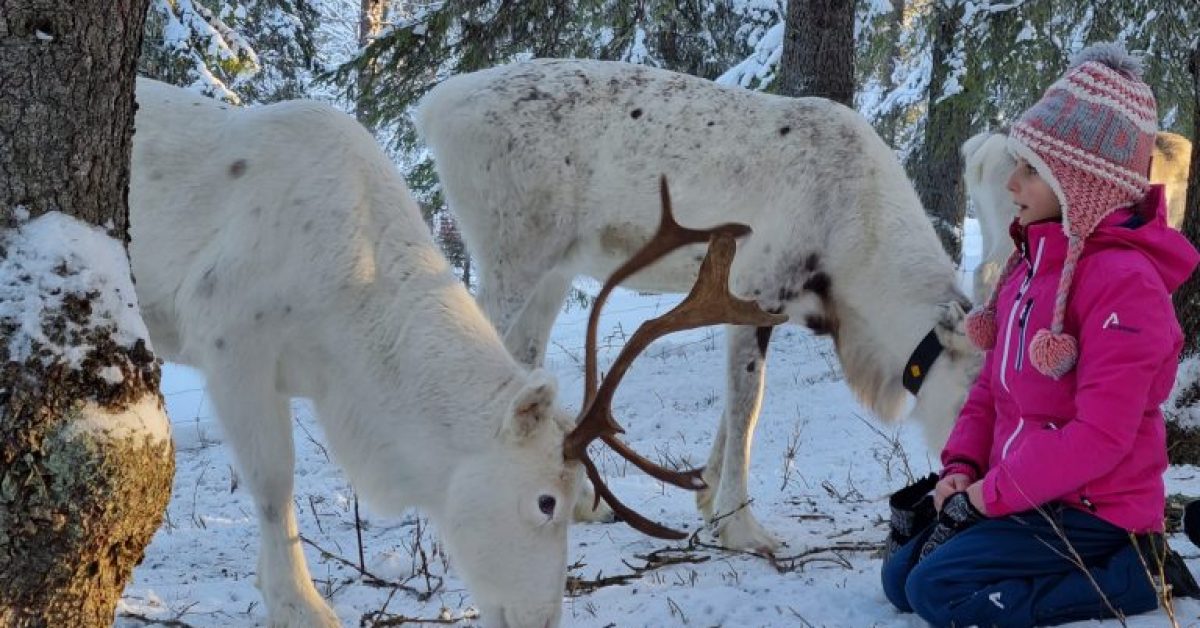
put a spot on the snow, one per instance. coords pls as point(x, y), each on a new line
point(758, 70)
point(55, 255)
point(763, 30)
point(143, 418)
point(112, 375)
point(1188, 375)
point(821, 472)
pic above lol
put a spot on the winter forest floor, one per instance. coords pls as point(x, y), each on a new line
point(821, 471)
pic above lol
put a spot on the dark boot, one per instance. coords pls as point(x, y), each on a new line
point(957, 515)
point(1191, 521)
point(1166, 566)
point(912, 511)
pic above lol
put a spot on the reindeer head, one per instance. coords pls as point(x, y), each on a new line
point(509, 506)
point(948, 375)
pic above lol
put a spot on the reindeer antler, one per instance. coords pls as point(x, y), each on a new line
point(710, 302)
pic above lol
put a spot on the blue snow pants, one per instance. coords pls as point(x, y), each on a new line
point(1017, 571)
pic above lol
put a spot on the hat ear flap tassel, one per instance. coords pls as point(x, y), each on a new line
point(981, 328)
point(1053, 355)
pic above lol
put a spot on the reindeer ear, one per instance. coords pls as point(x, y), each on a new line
point(532, 405)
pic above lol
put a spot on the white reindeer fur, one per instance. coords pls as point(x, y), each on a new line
point(1169, 165)
point(988, 166)
point(278, 250)
point(552, 169)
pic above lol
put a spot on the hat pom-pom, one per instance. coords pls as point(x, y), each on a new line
point(1053, 355)
point(981, 328)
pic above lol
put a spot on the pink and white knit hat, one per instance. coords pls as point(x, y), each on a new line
point(1090, 137)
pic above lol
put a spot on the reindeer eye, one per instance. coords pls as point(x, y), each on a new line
point(546, 504)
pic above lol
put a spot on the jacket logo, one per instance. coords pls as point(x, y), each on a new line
point(1114, 322)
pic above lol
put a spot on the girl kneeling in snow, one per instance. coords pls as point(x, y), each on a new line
point(1051, 498)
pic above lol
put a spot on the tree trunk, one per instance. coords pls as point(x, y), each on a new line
point(887, 125)
point(1187, 298)
point(1183, 443)
point(948, 124)
point(86, 460)
point(818, 50)
point(370, 21)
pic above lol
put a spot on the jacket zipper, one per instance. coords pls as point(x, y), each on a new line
point(1037, 260)
point(1024, 320)
point(1012, 437)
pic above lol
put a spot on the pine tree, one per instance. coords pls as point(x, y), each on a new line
point(86, 460)
point(939, 165)
point(818, 50)
point(248, 51)
point(1183, 411)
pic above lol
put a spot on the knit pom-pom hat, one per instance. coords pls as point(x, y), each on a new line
point(1090, 138)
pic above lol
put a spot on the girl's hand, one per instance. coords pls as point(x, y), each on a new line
point(975, 494)
point(949, 485)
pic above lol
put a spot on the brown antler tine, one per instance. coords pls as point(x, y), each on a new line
point(627, 514)
point(691, 479)
point(709, 302)
point(669, 237)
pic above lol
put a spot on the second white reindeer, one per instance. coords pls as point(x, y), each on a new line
point(551, 167)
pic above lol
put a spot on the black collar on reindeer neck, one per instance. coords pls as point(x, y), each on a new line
point(920, 361)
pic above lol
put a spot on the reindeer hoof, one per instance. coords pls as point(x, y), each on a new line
point(741, 531)
point(305, 618)
point(584, 513)
point(302, 609)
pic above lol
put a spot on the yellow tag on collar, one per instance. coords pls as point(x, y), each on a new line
point(915, 370)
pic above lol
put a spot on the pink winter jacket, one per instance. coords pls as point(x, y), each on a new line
point(1094, 439)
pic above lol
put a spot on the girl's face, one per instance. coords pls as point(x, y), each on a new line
point(1034, 197)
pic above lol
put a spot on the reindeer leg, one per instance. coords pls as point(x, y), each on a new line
point(528, 334)
point(736, 525)
point(712, 471)
point(257, 424)
point(501, 297)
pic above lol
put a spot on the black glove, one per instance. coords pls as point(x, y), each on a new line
point(912, 511)
point(957, 515)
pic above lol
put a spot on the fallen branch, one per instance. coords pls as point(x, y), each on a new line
point(173, 623)
point(657, 559)
point(402, 620)
point(368, 578)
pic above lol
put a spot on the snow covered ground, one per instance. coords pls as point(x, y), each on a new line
point(822, 468)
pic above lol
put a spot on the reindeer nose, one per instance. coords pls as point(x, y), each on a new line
point(546, 504)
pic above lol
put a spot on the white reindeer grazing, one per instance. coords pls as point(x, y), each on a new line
point(278, 250)
point(551, 168)
point(988, 165)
